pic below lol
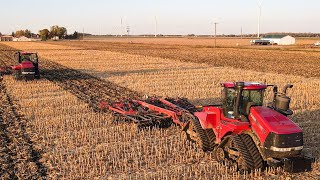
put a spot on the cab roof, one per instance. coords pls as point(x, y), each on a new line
point(247, 85)
point(26, 53)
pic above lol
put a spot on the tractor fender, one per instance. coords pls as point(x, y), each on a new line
point(207, 119)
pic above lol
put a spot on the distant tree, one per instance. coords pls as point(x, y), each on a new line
point(27, 33)
point(54, 31)
point(13, 34)
point(58, 31)
point(191, 35)
point(44, 34)
point(62, 32)
point(19, 33)
point(0, 34)
point(75, 35)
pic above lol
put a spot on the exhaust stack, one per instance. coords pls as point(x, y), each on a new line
point(239, 88)
point(281, 101)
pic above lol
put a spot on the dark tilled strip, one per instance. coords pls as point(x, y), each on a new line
point(19, 159)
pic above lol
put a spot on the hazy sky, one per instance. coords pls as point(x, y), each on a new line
point(173, 16)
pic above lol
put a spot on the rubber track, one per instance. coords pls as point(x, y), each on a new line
point(247, 148)
point(254, 152)
point(207, 144)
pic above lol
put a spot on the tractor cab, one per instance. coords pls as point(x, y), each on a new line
point(239, 97)
point(26, 56)
point(28, 67)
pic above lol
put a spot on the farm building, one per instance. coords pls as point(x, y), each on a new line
point(6, 38)
point(22, 38)
point(279, 39)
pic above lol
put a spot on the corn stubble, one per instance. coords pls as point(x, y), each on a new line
point(79, 143)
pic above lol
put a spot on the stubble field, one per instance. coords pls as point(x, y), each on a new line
point(67, 137)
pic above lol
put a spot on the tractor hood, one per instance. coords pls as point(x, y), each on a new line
point(273, 121)
point(23, 65)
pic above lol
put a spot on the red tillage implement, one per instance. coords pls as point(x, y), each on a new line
point(240, 131)
point(151, 112)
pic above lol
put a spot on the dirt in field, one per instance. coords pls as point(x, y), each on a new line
point(277, 61)
point(90, 89)
point(20, 157)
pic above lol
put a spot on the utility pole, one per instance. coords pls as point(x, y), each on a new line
point(259, 16)
point(215, 34)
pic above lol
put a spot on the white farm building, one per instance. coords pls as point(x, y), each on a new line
point(279, 39)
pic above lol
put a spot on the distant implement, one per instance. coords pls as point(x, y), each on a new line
point(241, 131)
point(27, 68)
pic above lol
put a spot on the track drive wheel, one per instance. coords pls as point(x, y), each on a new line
point(204, 138)
point(249, 156)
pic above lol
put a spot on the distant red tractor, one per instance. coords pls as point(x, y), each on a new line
point(27, 69)
point(240, 131)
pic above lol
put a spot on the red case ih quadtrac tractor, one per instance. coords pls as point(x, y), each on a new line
point(250, 134)
point(27, 69)
point(240, 131)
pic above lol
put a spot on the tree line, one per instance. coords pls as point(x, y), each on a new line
point(57, 32)
point(54, 32)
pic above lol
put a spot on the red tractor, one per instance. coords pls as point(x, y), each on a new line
point(246, 132)
point(240, 131)
point(27, 69)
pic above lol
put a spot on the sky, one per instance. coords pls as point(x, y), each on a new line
point(172, 16)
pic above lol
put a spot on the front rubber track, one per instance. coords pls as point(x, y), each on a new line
point(251, 158)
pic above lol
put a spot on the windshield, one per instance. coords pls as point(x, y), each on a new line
point(229, 98)
point(28, 57)
point(248, 99)
point(255, 96)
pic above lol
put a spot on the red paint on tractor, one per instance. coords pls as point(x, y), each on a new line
point(265, 120)
point(23, 65)
point(247, 85)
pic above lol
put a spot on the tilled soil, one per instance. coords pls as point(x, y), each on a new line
point(84, 86)
point(276, 61)
point(19, 157)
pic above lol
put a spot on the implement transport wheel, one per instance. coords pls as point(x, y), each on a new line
point(249, 156)
point(204, 138)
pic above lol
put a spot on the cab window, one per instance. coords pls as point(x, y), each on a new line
point(255, 96)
